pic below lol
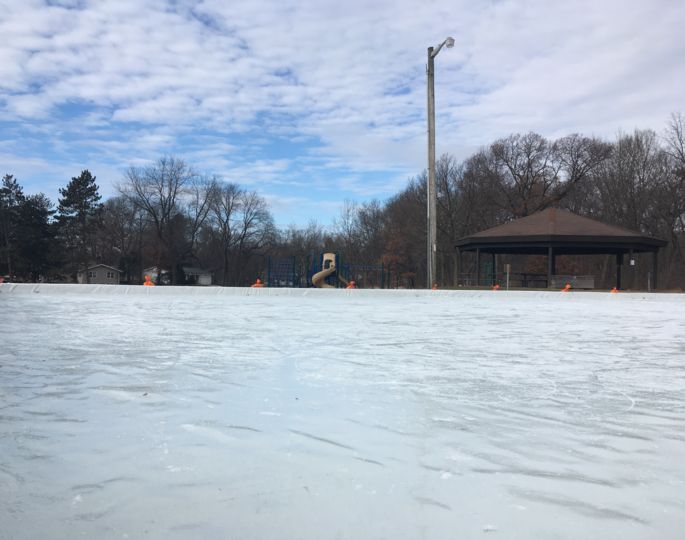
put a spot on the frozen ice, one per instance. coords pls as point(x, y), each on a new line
point(306, 414)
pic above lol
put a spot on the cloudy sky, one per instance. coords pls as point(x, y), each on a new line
point(315, 102)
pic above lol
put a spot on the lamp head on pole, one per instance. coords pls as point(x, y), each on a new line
point(449, 43)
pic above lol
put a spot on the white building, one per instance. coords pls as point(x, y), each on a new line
point(197, 276)
point(100, 274)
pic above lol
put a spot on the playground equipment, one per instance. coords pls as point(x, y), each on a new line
point(286, 272)
point(299, 271)
point(329, 269)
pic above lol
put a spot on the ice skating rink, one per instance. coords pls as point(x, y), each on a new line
point(131, 412)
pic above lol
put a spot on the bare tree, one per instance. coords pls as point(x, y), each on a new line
point(370, 228)
point(345, 229)
point(528, 171)
point(675, 147)
point(448, 171)
point(240, 226)
point(578, 156)
point(201, 192)
point(120, 239)
point(479, 188)
point(405, 234)
point(675, 138)
point(302, 242)
point(176, 202)
point(672, 197)
point(255, 230)
point(627, 182)
point(224, 208)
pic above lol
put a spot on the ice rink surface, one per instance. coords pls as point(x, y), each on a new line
point(130, 412)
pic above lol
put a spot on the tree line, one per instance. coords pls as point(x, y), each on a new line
point(167, 215)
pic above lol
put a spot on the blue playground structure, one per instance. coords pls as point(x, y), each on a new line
point(303, 271)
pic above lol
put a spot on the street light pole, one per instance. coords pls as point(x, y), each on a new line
point(431, 193)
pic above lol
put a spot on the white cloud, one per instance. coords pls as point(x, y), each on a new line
point(123, 81)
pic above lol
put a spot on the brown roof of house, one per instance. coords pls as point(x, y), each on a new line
point(557, 225)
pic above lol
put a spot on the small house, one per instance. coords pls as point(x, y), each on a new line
point(197, 276)
point(100, 274)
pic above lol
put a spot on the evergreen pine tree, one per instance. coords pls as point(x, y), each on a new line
point(78, 214)
point(11, 198)
point(35, 247)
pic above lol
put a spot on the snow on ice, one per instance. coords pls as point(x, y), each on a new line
point(131, 412)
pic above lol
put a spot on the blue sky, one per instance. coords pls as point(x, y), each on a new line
point(315, 103)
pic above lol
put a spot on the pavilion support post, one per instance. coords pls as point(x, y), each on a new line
point(457, 268)
point(619, 264)
point(550, 266)
point(655, 267)
point(494, 269)
point(478, 267)
point(460, 262)
point(631, 270)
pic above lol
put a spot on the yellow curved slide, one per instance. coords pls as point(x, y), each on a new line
point(318, 279)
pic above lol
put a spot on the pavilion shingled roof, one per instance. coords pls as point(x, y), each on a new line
point(556, 222)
